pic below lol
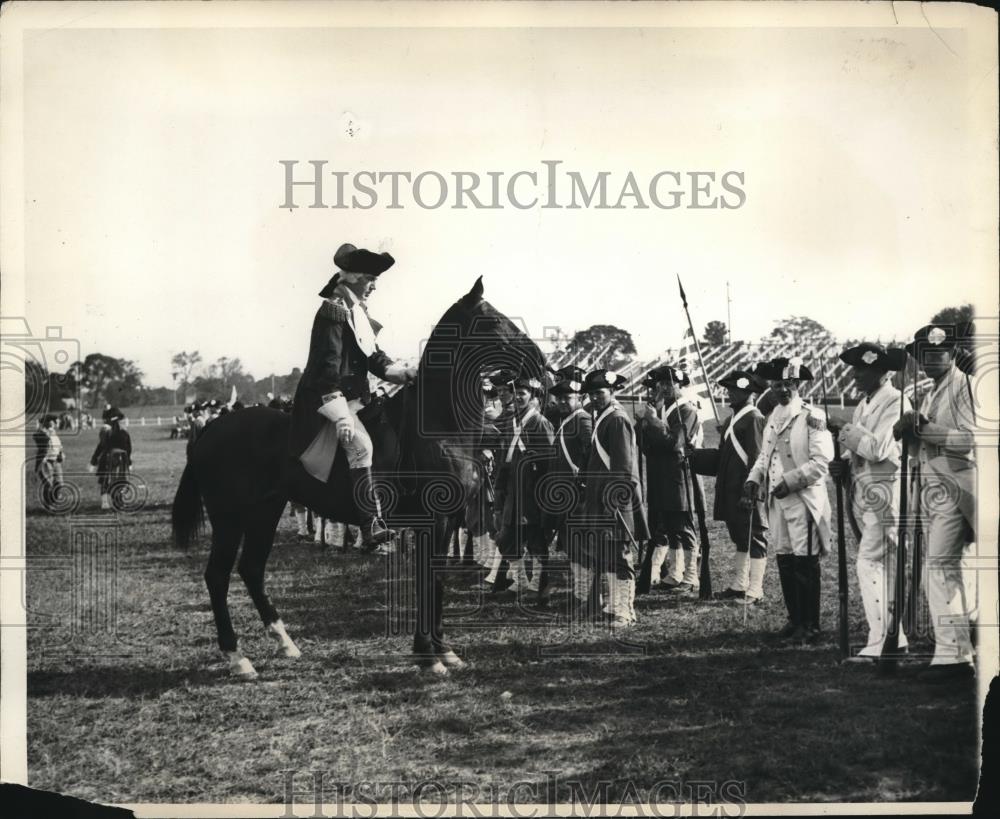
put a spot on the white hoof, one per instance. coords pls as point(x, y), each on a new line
point(436, 669)
point(240, 666)
point(290, 650)
point(286, 645)
point(452, 661)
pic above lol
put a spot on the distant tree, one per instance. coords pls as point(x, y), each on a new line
point(183, 367)
point(95, 372)
point(716, 333)
point(801, 331)
point(601, 345)
point(953, 315)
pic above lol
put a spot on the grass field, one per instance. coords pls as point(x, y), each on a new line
point(142, 710)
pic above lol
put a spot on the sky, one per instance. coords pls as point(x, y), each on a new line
point(153, 182)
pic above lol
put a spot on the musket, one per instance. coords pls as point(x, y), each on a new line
point(644, 578)
point(705, 570)
point(842, 626)
point(913, 601)
point(890, 645)
point(705, 573)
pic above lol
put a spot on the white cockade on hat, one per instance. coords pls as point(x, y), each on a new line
point(576, 386)
point(611, 375)
point(936, 335)
point(742, 383)
point(870, 357)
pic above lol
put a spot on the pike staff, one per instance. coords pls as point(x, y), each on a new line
point(705, 573)
point(843, 638)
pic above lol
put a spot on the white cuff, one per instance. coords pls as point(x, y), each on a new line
point(335, 409)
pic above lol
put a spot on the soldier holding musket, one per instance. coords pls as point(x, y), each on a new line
point(740, 438)
point(667, 426)
point(870, 462)
point(792, 467)
point(942, 437)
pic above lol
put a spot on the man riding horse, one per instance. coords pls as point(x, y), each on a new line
point(334, 385)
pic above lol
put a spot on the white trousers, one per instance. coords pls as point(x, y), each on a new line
point(945, 587)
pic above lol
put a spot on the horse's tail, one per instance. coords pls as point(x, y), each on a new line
point(186, 516)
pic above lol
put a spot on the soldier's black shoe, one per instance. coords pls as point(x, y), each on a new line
point(811, 635)
point(787, 631)
point(946, 673)
point(502, 583)
point(681, 588)
point(730, 594)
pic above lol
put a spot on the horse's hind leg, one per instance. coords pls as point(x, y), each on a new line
point(226, 534)
point(261, 525)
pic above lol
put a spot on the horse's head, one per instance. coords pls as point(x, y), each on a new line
point(471, 338)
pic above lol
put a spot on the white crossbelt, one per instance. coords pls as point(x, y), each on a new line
point(518, 428)
point(562, 440)
point(602, 453)
point(733, 439)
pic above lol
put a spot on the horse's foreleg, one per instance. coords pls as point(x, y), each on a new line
point(261, 525)
point(445, 655)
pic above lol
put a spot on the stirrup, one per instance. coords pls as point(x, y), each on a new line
point(377, 534)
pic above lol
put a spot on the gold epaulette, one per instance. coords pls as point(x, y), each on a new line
point(335, 310)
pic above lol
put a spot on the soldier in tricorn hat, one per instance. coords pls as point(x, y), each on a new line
point(667, 426)
point(942, 436)
point(791, 468)
point(730, 463)
point(612, 506)
point(870, 459)
point(334, 384)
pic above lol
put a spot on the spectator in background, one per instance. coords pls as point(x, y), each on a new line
point(112, 459)
point(49, 460)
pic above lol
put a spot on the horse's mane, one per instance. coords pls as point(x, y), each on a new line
point(471, 338)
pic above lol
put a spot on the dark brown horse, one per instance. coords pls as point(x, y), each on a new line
point(425, 439)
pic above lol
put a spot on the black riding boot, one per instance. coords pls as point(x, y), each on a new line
point(789, 591)
point(373, 529)
point(807, 573)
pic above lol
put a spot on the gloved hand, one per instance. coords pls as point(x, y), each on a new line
point(834, 428)
point(751, 490)
point(781, 490)
point(839, 468)
point(904, 426)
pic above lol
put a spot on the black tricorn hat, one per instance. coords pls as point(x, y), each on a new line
point(743, 380)
point(941, 337)
point(780, 368)
point(351, 259)
point(524, 382)
point(666, 373)
point(869, 354)
point(567, 387)
point(569, 373)
point(502, 377)
point(603, 379)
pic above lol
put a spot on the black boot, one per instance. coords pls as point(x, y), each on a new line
point(807, 572)
point(373, 528)
point(789, 591)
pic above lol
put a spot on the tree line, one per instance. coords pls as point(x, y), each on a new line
point(102, 379)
